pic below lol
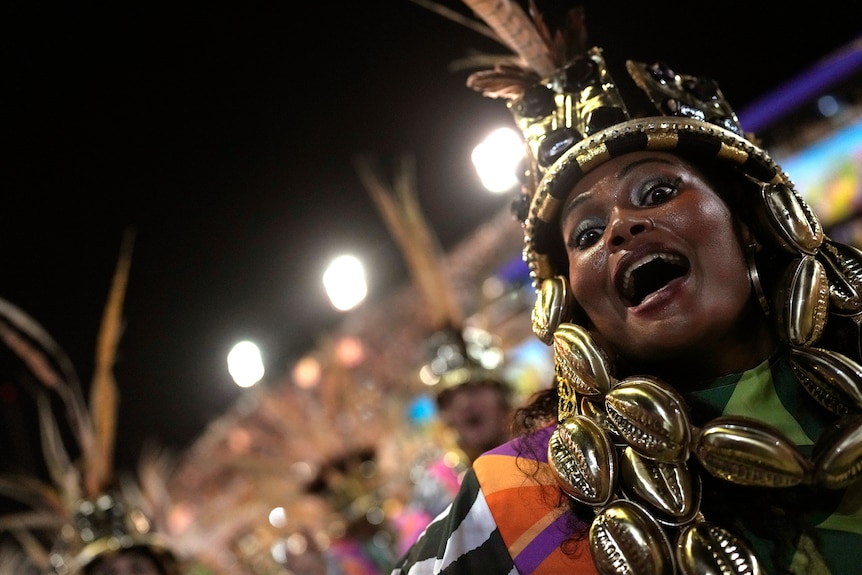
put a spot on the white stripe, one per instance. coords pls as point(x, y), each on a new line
point(473, 531)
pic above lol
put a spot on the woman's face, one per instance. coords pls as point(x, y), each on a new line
point(479, 415)
point(654, 258)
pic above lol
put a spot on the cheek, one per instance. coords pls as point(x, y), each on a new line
point(587, 276)
point(719, 249)
point(714, 230)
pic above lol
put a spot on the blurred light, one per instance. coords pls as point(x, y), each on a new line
point(427, 375)
point(239, 441)
point(345, 284)
point(422, 410)
point(826, 73)
point(375, 516)
point(451, 459)
point(828, 106)
point(497, 159)
point(278, 517)
point(296, 544)
point(493, 288)
point(278, 551)
point(350, 351)
point(302, 470)
point(306, 372)
point(245, 364)
point(180, 517)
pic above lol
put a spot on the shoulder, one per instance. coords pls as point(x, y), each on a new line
point(530, 511)
point(507, 465)
point(463, 539)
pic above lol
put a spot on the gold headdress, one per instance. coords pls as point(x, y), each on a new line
point(86, 512)
point(574, 116)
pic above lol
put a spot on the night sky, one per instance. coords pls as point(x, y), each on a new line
point(224, 136)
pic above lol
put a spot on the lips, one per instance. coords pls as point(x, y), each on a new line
point(649, 274)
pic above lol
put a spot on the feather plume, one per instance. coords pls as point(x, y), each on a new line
point(63, 473)
point(93, 427)
point(103, 391)
point(538, 50)
point(32, 492)
point(13, 316)
point(450, 14)
point(400, 209)
point(25, 559)
point(518, 32)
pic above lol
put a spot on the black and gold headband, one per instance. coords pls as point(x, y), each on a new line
point(577, 119)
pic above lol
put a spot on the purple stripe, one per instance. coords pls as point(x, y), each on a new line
point(545, 543)
point(533, 447)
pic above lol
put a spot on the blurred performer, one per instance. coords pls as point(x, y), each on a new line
point(464, 367)
point(474, 402)
point(87, 521)
point(363, 542)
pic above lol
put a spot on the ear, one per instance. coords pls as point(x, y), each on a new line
point(747, 238)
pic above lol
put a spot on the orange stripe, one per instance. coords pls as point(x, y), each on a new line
point(523, 504)
point(521, 542)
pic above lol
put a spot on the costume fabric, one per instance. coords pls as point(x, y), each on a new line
point(510, 516)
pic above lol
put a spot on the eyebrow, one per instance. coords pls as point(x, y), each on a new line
point(581, 198)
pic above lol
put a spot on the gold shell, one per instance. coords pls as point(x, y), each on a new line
point(830, 377)
point(793, 224)
point(551, 307)
point(669, 489)
point(583, 460)
point(580, 363)
point(843, 265)
point(746, 451)
point(803, 302)
point(624, 538)
point(595, 410)
point(838, 454)
point(651, 416)
point(708, 548)
point(567, 399)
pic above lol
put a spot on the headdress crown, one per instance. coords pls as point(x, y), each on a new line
point(574, 116)
point(582, 99)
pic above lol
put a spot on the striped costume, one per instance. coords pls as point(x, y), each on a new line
point(508, 517)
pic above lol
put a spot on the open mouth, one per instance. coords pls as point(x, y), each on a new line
point(473, 420)
point(650, 274)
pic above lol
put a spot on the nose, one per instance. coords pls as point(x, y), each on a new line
point(626, 225)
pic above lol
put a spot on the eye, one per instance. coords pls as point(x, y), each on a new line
point(658, 192)
point(586, 233)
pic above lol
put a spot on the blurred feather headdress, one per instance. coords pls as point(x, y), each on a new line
point(459, 353)
point(85, 510)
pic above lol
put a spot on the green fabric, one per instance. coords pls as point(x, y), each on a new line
point(756, 396)
point(771, 393)
point(807, 560)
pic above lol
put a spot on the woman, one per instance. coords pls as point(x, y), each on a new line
point(706, 416)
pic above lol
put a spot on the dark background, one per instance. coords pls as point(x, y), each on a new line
point(224, 134)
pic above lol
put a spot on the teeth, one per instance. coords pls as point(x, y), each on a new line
point(628, 285)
